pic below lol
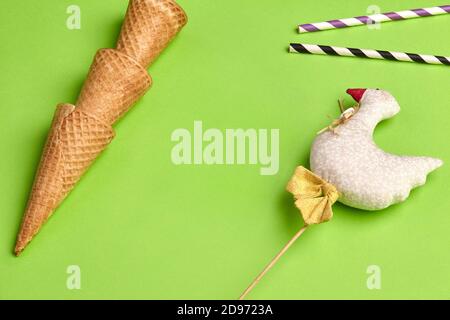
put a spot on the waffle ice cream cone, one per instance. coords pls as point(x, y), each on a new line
point(148, 28)
point(116, 80)
point(74, 142)
point(114, 83)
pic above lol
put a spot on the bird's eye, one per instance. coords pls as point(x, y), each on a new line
point(378, 89)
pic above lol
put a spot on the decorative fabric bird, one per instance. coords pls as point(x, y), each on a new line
point(348, 166)
point(365, 176)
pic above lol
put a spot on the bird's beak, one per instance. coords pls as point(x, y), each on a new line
point(357, 94)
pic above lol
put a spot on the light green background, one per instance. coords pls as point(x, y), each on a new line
point(141, 227)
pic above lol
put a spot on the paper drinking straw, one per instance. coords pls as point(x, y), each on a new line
point(368, 53)
point(375, 18)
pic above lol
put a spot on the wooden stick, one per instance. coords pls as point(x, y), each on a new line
point(272, 263)
point(341, 105)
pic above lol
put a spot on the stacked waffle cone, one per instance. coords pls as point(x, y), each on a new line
point(79, 133)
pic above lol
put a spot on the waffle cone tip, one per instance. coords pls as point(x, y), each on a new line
point(18, 250)
point(34, 218)
point(20, 244)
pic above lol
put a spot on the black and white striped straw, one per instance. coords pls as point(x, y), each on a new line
point(368, 53)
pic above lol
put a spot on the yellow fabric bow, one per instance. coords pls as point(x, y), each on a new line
point(313, 196)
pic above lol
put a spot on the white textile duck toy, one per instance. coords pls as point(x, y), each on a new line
point(347, 166)
point(365, 176)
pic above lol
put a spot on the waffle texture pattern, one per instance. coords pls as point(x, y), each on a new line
point(79, 133)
